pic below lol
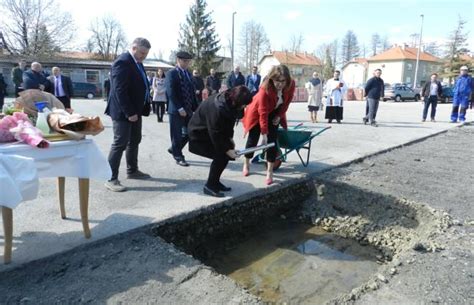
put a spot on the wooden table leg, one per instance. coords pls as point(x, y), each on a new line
point(7, 215)
point(84, 205)
point(61, 186)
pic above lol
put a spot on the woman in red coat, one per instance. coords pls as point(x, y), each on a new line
point(266, 112)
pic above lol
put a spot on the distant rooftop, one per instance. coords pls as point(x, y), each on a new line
point(401, 53)
point(294, 58)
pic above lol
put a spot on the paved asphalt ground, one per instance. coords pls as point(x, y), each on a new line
point(39, 231)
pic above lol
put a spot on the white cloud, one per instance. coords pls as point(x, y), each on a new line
point(292, 15)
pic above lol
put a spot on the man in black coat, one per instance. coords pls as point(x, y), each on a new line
point(235, 78)
point(211, 130)
point(431, 91)
point(374, 90)
point(182, 103)
point(128, 101)
point(198, 85)
point(3, 90)
point(213, 83)
point(61, 86)
point(35, 79)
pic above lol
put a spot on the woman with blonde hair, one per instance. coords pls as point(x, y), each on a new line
point(266, 112)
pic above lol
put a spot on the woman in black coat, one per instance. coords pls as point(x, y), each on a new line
point(211, 130)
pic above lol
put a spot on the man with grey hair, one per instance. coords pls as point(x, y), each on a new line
point(128, 101)
point(35, 79)
point(235, 78)
point(61, 87)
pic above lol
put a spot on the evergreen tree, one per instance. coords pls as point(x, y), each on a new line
point(350, 47)
point(198, 36)
point(328, 67)
point(456, 46)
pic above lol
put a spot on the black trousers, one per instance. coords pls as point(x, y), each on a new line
point(433, 101)
point(2, 100)
point(127, 136)
point(219, 163)
point(159, 109)
point(65, 100)
point(178, 134)
point(254, 135)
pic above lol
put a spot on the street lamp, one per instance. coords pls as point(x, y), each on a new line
point(232, 51)
point(418, 53)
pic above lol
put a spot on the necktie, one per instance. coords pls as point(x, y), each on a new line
point(56, 86)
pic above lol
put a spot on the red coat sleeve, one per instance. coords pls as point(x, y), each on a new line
point(263, 101)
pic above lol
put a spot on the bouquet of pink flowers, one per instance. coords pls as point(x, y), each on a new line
point(18, 127)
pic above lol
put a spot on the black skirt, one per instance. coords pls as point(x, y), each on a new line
point(313, 108)
point(334, 113)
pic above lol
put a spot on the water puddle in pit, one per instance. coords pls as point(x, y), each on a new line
point(297, 263)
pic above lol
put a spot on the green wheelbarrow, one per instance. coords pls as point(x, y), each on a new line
point(293, 139)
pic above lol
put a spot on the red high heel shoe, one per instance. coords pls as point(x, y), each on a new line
point(245, 172)
point(268, 181)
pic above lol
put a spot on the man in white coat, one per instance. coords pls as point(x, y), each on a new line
point(335, 89)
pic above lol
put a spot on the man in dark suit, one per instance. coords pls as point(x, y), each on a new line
point(182, 102)
point(107, 87)
point(213, 83)
point(17, 76)
point(129, 98)
point(253, 81)
point(235, 78)
point(61, 86)
point(35, 79)
point(198, 85)
point(3, 90)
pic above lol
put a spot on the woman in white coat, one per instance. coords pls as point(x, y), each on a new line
point(314, 87)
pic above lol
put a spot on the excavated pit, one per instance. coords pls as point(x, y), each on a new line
point(309, 242)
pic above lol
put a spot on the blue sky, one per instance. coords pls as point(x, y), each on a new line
point(319, 21)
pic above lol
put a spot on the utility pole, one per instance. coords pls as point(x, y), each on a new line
point(232, 51)
point(418, 53)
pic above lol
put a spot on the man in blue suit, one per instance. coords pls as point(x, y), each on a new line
point(235, 78)
point(128, 100)
point(35, 79)
point(182, 103)
point(253, 81)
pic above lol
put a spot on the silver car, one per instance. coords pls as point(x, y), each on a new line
point(401, 93)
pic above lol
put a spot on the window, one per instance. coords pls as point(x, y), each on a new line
point(408, 79)
point(409, 67)
point(92, 76)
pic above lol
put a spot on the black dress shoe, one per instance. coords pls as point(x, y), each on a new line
point(224, 188)
point(182, 162)
point(170, 151)
point(210, 192)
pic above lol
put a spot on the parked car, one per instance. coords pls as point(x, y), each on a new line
point(401, 93)
point(447, 94)
point(87, 90)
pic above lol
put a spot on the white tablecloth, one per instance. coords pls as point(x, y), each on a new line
point(81, 159)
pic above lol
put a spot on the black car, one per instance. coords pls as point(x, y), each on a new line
point(86, 90)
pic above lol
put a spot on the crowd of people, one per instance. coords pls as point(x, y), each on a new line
point(208, 124)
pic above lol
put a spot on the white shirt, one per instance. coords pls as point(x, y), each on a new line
point(434, 89)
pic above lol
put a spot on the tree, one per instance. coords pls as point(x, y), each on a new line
point(328, 67)
point(375, 43)
point(253, 44)
point(108, 38)
point(433, 48)
point(456, 46)
point(296, 42)
point(350, 47)
point(198, 36)
point(35, 27)
point(333, 49)
point(385, 43)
